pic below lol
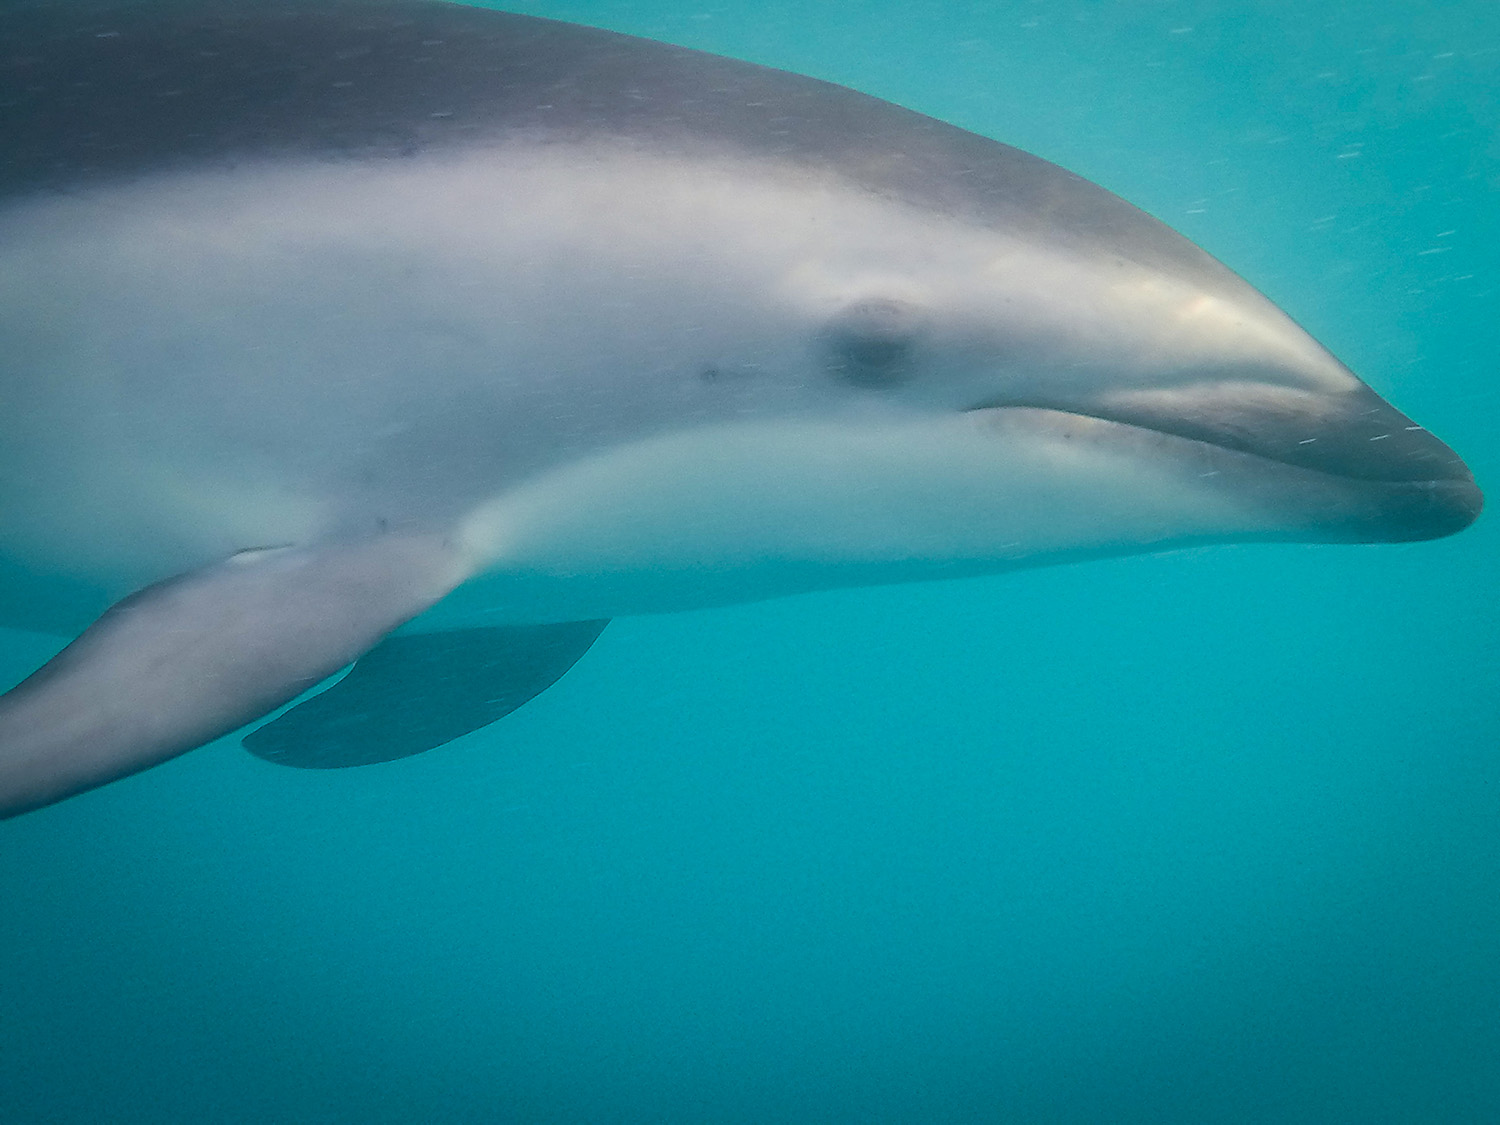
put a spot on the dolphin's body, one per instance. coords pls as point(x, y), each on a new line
point(321, 318)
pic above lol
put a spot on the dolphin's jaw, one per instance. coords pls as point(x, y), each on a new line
point(1400, 483)
point(1426, 491)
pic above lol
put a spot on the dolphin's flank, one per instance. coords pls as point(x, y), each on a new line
point(428, 338)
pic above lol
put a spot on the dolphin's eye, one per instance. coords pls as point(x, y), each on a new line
point(870, 343)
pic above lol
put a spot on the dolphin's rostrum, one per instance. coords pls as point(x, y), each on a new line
point(431, 337)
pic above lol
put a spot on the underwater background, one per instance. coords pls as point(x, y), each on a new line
point(1206, 837)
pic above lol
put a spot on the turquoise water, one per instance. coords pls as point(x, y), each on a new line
point(1199, 838)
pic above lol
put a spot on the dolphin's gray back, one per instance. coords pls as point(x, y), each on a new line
point(95, 92)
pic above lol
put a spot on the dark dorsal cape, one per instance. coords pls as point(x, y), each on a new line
point(92, 92)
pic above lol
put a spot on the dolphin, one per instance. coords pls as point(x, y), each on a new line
point(426, 338)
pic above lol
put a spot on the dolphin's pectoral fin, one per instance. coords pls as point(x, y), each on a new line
point(409, 694)
point(189, 659)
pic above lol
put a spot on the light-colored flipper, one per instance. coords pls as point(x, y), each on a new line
point(409, 694)
point(193, 658)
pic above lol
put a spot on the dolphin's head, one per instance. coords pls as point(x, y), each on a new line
point(1104, 353)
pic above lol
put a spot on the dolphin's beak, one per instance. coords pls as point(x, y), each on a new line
point(1413, 485)
point(1380, 477)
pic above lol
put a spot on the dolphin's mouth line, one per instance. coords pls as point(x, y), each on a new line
point(1231, 441)
point(1184, 433)
point(1011, 408)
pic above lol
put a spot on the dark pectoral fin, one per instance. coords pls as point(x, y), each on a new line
point(410, 694)
point(187, 660)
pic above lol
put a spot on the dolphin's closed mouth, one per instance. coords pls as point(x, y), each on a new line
point(1374, 476)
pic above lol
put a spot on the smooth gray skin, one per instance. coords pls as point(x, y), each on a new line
point(321, 317)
